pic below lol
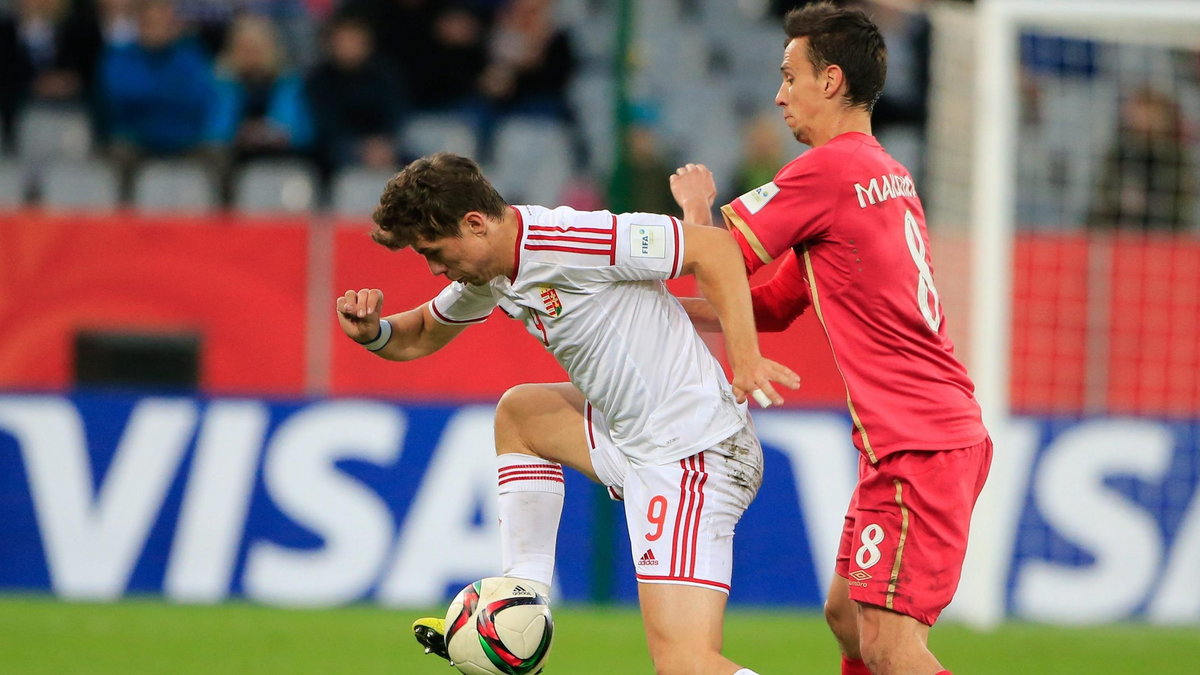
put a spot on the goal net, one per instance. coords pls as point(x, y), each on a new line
point(1062, 196)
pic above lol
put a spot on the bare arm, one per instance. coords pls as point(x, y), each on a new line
point(415, 333)
point(702, 314)
point(694, 190)
point(711, 255)
point(776, 303)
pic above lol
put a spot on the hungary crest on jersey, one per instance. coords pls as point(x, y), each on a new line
point(550, 299)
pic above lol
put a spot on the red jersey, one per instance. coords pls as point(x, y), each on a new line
point(851, 215)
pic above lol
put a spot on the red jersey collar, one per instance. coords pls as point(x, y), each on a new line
point(855, 135)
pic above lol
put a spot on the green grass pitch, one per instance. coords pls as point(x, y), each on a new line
point(133, 637)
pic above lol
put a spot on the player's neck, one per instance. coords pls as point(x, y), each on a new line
point(846, 121)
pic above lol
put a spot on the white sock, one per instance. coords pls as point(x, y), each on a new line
point(531, 501)
point(745, 671)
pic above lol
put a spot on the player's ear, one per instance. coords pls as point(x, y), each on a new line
point(835, 78)
point(475, 223)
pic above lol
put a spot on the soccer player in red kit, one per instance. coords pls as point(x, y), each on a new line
point(847, 220)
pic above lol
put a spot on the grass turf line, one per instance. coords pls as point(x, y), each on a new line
point(41, 635)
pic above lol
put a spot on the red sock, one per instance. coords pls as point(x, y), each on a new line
point(854, 666)
point(943, 672)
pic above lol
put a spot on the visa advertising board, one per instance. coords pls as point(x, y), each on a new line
point(332, 501)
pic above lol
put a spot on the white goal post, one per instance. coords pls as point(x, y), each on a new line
point(995, 27)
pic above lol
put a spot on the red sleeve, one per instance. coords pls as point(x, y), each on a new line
point(749, 257)
point(778, 302)
point(797, 206)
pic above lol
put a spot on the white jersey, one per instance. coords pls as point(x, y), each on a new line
point(589, 286)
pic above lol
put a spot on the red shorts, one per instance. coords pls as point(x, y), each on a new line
point(905, 534)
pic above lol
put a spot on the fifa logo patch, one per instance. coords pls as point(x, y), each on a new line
point(551, 301)
point(648, 241)
point(756, 199)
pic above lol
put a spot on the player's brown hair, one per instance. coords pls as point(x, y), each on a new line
point(429, 198)
point(846, 38)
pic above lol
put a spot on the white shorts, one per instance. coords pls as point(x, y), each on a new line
point(681, 516)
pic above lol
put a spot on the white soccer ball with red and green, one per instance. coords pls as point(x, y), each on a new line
point(499, 626)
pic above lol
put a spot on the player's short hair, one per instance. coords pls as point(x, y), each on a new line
point(846, 38)
point(429, 198)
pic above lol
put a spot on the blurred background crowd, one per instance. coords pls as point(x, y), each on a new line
point(296, 104)
point(160, 103)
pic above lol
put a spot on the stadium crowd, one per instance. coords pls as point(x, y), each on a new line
point(344, 86)
point(225, 82)
point(334, 83)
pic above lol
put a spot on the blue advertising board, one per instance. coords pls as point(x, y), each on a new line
point(331, 501)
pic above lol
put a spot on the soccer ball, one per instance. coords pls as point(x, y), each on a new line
point(499, 626)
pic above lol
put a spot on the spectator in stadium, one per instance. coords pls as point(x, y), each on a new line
point(117, 21)
point(530, 64)
point(261, 107)
point(158, 95)
point(438, 47)
point(646, 407)
point(212, 20)
point(902, 110)
point(49, 51)
point(357, 100)
point(1147, 182)
point(647, 162)
point(849, 225)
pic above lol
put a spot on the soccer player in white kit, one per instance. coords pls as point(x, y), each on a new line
point(648, 411)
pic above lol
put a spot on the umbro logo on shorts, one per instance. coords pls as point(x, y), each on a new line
point(648, 558)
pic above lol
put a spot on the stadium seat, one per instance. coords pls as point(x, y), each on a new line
point(675, 55)
point(427, 134)
point(356, 191)
point(699, 121)
point(13, 184)
point(592, 31)
point(591, 95)
point(50, 133)
point(75, 185)
point(754, 51)
point(533, 160)
point(275, 186)
point(174, 186)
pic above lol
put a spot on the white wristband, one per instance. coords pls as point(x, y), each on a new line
point(385, 334)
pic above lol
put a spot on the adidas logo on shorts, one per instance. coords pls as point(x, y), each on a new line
point(648, 558)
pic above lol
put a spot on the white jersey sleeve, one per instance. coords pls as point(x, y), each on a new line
point(647, 246)
point(460, 303)
point(603, 247)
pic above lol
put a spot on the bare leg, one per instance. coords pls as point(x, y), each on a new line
point(684, 625)
point(841, 613)
point(544, 420)
point(895, 644)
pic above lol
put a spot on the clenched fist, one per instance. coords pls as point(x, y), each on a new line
point(358, 314)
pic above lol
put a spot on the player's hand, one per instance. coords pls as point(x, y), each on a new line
point(693, 187)
point(758, 376)
point(358, 314)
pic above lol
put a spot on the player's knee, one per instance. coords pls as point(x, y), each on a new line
point(886, 651)
point(842, 618)
point(876, 650)
point(511, 412)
